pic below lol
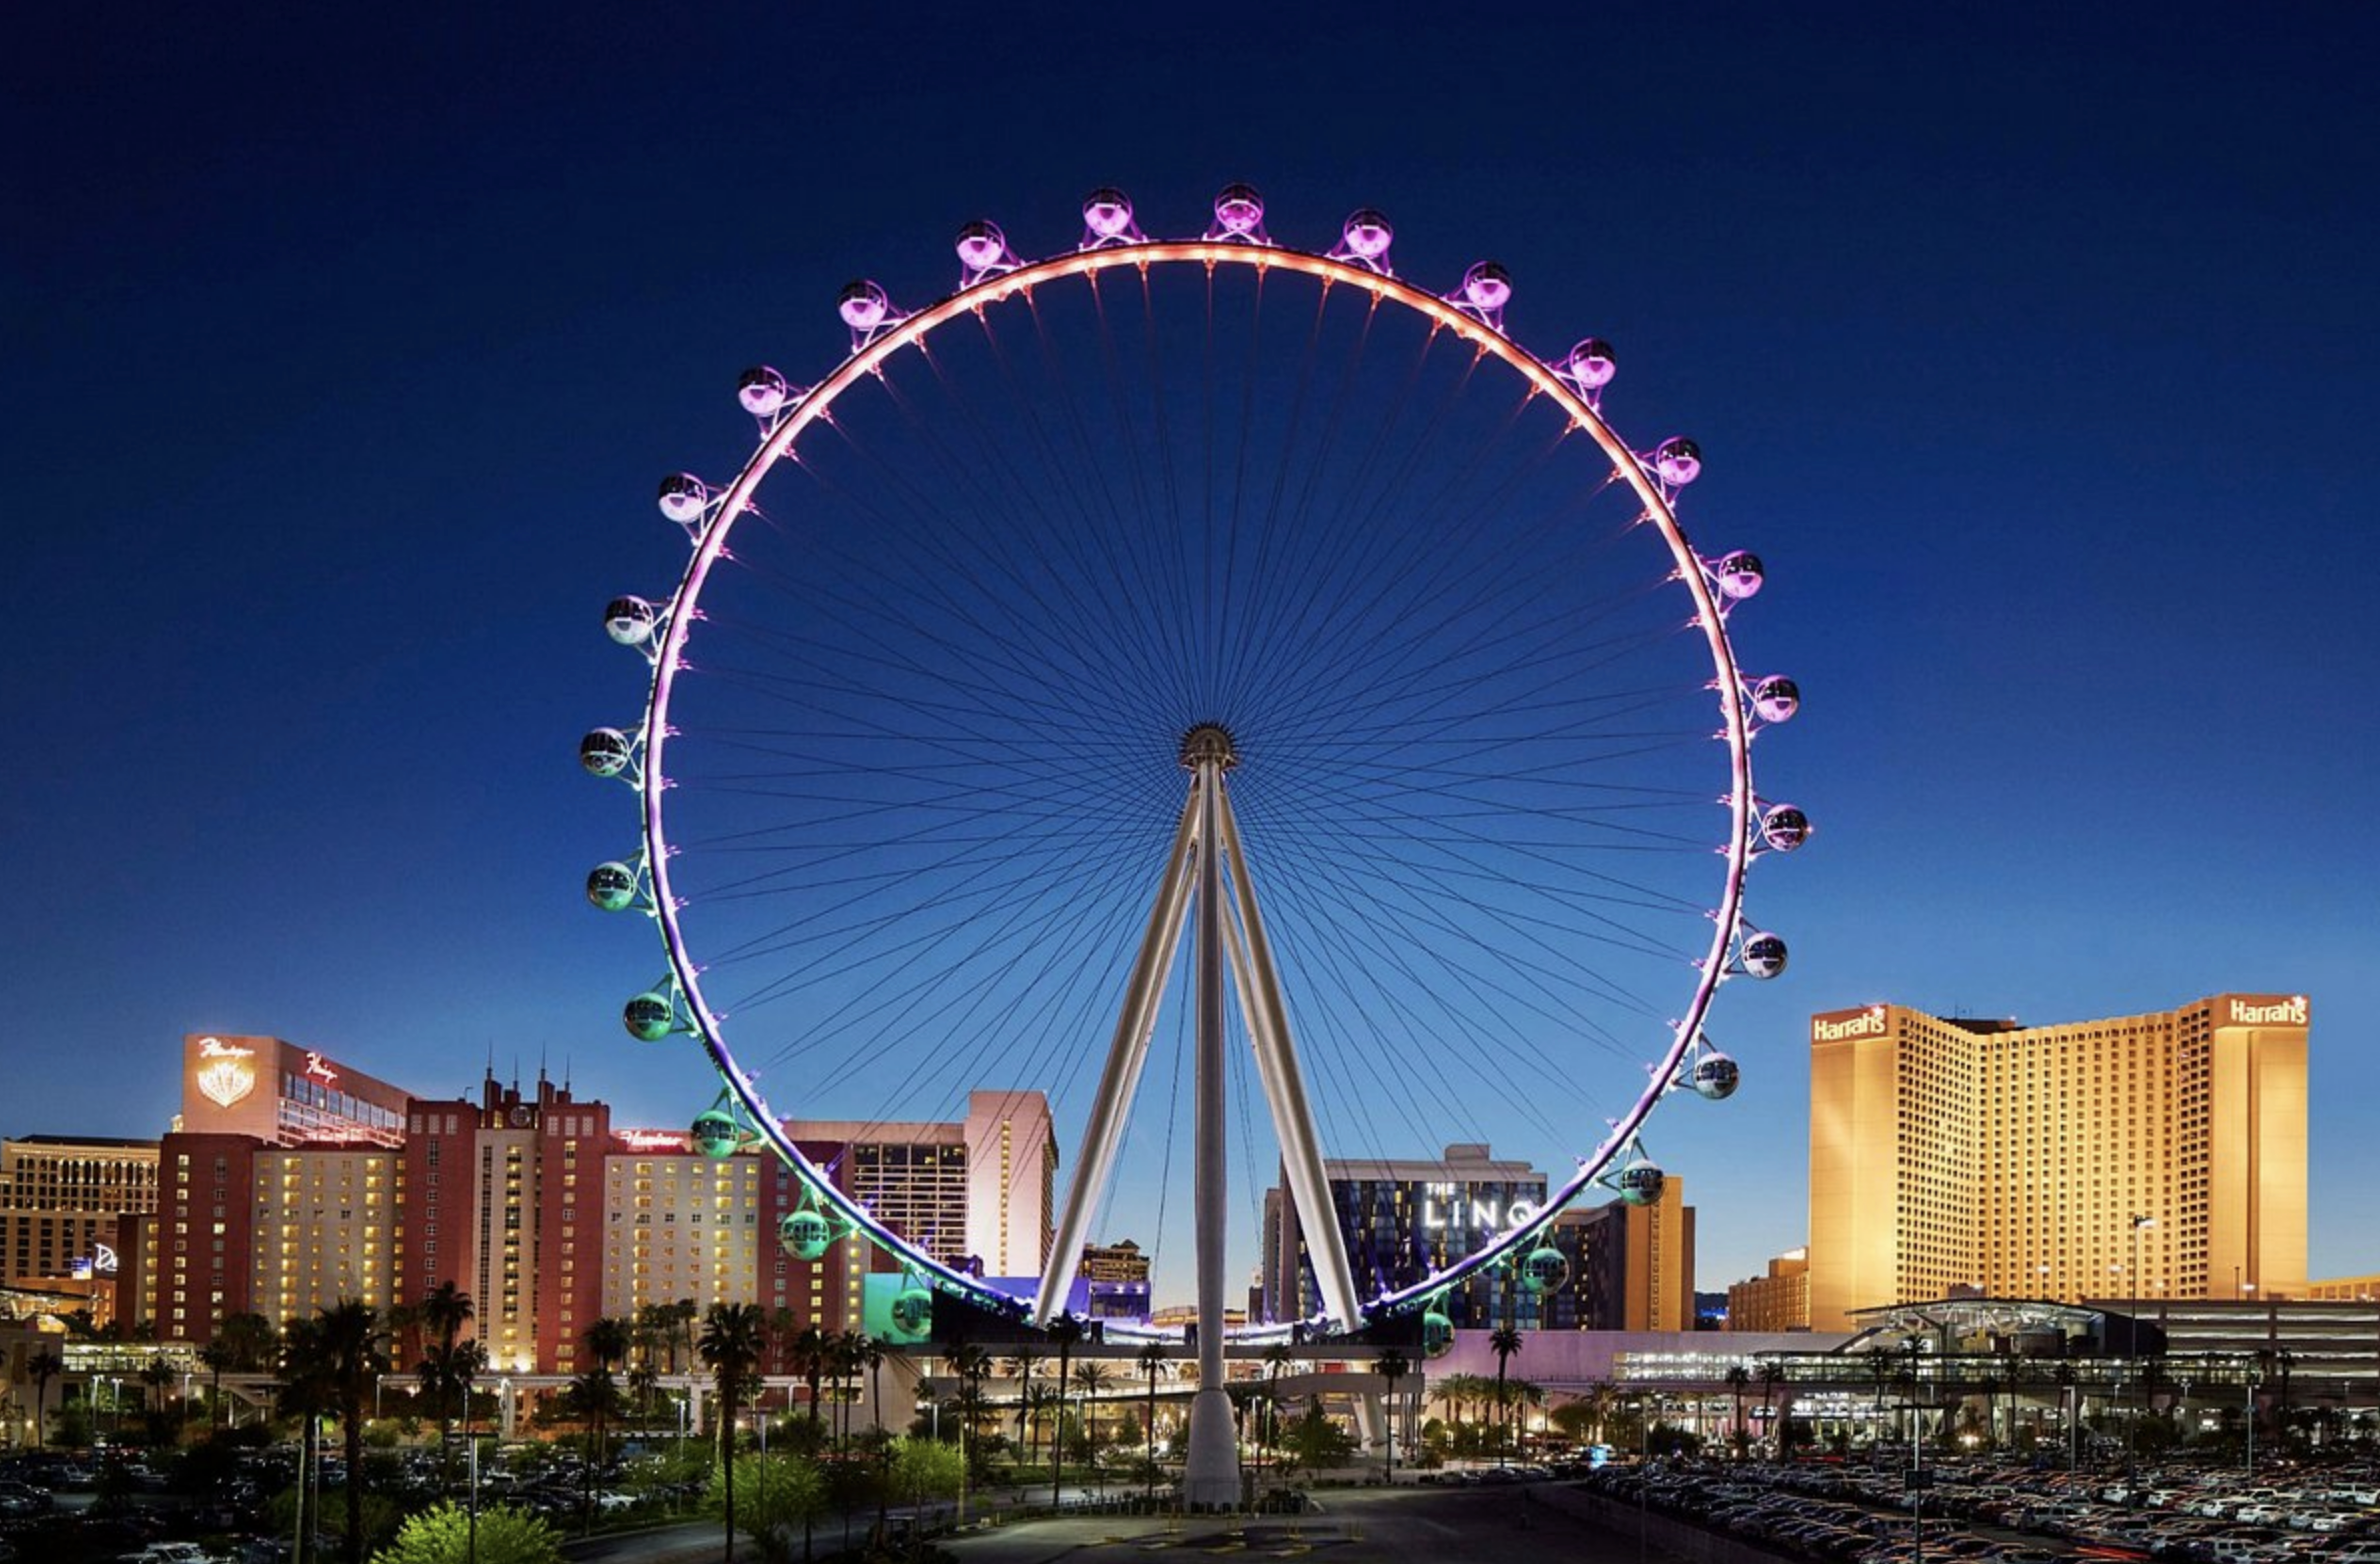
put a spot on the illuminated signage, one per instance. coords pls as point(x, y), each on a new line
point(226, 1076)
point(319, 1070)
point(652, 1140)
point(1863, 1023)
point(2269, 1012)
point(1446, 1205)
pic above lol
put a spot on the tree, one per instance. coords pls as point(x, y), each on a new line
point(1578, 1420)
point(157, 1375)
point(1739, 1379)
point(1503, 1341)
point(595, 1396)
point(330, 1364)
point(734, 1338)
point(1089, 1380)
point(1772, 1374)
point(1276, 1359)
point(447, 1371)
point(925, 1470)
point(1065, 1330)
point(1153, 1361)
point(1022, 1363)
point(1391, 1366)
point(41, 1368)
point(811, 1352)
point(871, 1354)
point(448, 1365)
point(778, 1491)
point(444, 1310)
point(1314, 1441)
point(446, 1534)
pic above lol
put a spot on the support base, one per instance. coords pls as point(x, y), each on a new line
point(1211, 1475)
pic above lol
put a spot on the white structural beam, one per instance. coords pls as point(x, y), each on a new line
point(1127, 1052)
point(1267, 1017)
point(1211, 1469)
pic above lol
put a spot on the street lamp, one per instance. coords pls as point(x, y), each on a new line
point(2138, 1223)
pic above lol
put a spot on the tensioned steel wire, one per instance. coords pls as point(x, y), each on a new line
point(922, 771)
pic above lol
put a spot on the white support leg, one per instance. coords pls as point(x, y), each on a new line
point(1127, 1051)
point(1211, 1473)
point(1285, 1092)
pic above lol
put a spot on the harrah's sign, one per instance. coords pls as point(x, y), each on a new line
point(1841, 1025)
point(2257, 1010)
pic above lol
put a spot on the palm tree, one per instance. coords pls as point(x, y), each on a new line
point(848, 1354)
point(215, 1357)
point(1065, 1330)
point(810, 1354)
point(1089, 1380)
point(1153, 1361)
point(734, 1339)
point(1276, 1358)
point(331, 1364)
point(1022, 1363)
point(444, 1310)
point(1879, 1369)
point(597, 1394)
point(1392, 1366)
point(971, 1363)
point(1738, 1377)
point(1772, 1374)
point(1503, 1341)
point(157, 1374)
point(447, 1372)
point(871, 1354)
point(41, 1368)
point(446, 1368)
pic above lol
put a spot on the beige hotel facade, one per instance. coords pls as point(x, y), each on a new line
point(2157, 1156)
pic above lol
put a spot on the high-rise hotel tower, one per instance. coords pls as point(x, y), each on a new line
point(2147, 1156)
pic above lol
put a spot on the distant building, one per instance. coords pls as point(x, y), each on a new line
point(1402, 1220)
point(976, 1194)
point(505, 1198)
point(1631, 1267)
point(61, 1199)
point(1118, 1262)
point(1779, 1301)
point(685, 1226)
point(283, 1095)
point(2147, 1156)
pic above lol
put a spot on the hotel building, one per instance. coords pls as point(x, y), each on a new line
point(977, 1194)
point(1401, 1220)
point(293, 1181)
point(61, 1199)
point(1779, 1301)
point(1631, 1267)
point(276, 1191)
point(2158, 1156)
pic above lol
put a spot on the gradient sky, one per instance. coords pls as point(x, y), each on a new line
point(341, 353)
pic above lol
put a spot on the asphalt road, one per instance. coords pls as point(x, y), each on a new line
point(1515, 1525)
point(1415, 1525)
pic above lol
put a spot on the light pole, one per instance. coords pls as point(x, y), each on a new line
point(2251, 1422)
point(2138, 1222)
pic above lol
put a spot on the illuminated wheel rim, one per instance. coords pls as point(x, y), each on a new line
point(1706, 589)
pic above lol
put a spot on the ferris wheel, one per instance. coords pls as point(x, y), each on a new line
point(1205, 680)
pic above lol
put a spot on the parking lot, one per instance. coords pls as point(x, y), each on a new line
point(1994, 1512)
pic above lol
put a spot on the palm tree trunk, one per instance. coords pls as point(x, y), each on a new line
point(351, 1428)
point(727, 1464)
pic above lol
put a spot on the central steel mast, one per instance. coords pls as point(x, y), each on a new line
point(1211, 1474)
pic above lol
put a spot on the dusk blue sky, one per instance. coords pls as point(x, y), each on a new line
point(2034, 353)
